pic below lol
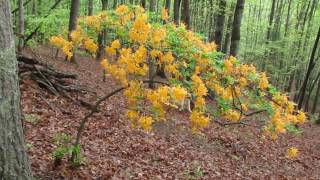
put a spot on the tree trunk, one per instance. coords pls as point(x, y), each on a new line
point(115, 4)
point(152, 5)
point(168, 5)
point(90, 7)
point(33, 8)
point(20, 25)
point(185, 15)
point(309, 70)
point(288, 19)
point(103, 33)
point(75, 5)
point(235, 38)
point(227, 39)
point(271, 17)
point(315, 102)
point(176, 11)
point(143, 3)
point(219, 27)
point(13, 157)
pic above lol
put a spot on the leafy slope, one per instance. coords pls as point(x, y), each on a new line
point(113, 149)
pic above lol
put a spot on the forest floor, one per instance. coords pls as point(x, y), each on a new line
point(114, 150)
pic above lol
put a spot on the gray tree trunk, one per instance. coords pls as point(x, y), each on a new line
point(90, 7)
point(13, 158)
point(74, 11)
point(235, 38)
point(219, 19)
point(20, 24)
point(152, 5)
point(176, 11)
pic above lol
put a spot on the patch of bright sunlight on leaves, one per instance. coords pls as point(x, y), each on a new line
point(194, 66)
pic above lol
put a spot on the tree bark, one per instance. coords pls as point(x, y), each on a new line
point(115, 4)
point(20, 25)
point(176, 11)
point(13, 157)
point(316, 100)
point(227, 39)
point(168, 5)
point(152, 5)
point(271, 17)
point(90, 7)
point(235, 38)
point(311, 66)
point(219, 27)
point(185, 15)
point(75, 5)
point(102, 35)
point(143, 3)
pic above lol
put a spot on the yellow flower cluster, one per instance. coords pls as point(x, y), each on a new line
point(140, 30)
point(158, 99)
point(77, 36)
point(146, 122)
point(198, 120)
point(124, 14)
point(66, 46)
point(133, 93)
point(179, 94)
point(292, 153)
point(93, 22)
point(232, 115)
point(164, 14)
point(157, 36)
point(263, 84)
point(134, 63)
point(90, 45)
point(117, 72)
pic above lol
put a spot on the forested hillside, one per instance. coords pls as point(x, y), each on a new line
point(159, 89)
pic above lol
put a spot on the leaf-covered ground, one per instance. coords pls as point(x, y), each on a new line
point(114, 150)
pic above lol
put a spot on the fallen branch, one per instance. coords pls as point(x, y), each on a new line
point(235, 123)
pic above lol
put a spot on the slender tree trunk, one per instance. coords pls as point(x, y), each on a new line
point(103, 33)
point(271, 17)
point(235, 38)
point(168, 5)
point(227, 38)
point(309, 70)
point(306, 107)
point(152, 5)
point(288, 19)
point(143, 3)
point(219, 28)
point(316, 100)
point(115, 4)
point(90, 7)
point(185, 15)
point(20, 25)
point(74, 11)
point(33, 8)
point(176, 11)
point(13, 157)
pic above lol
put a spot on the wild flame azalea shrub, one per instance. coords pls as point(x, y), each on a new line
point(193, 67)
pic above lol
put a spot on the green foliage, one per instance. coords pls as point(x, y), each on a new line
point(55, 23)
point(195, 173)
point(65, 149)
point(31, 118)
